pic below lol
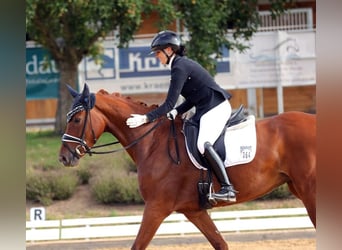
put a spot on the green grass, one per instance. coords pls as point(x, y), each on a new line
point(43, 170)
point(42, 148)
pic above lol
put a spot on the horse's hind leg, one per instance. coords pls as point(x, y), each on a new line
point(309, 200)
point(310, 204)
point(204, 223)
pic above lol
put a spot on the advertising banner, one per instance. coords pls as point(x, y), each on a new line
point(42, 77)
point(131, 70)
point(277, 58)
point(281, 58)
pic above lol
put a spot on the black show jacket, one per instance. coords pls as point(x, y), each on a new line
point(195, 84)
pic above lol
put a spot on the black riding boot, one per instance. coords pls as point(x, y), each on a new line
point(227, 192)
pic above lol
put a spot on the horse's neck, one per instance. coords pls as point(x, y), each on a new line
point(115, 111)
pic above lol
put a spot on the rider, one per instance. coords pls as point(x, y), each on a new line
point(197, 86)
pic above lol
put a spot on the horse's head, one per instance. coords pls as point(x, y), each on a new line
point(79, 136)
point(86, 122)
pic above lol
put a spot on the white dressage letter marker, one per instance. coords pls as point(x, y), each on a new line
point(37, 213)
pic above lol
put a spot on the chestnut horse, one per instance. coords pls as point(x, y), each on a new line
point(286, 145)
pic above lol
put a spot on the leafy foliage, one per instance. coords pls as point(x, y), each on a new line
point(116, 187)
point(84, 175)
point(46, 186)
point(72, 29)
point(213, 25)
point(112, 179)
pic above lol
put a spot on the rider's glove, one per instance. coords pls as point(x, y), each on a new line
point(172, 114)
point(136, 120)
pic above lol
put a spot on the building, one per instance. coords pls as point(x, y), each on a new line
point(260, 99)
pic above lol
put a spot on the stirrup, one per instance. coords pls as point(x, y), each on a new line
point(228, 195)
point(211, 198)
point(225, 197)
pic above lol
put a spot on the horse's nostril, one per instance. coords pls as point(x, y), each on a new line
point(62, 159)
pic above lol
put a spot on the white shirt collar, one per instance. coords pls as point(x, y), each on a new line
point(171, 60)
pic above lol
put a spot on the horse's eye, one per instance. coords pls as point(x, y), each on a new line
point(77, 119)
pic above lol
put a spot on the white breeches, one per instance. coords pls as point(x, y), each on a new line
point(212, 124)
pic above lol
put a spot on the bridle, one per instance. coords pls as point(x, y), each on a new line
point(82, 148)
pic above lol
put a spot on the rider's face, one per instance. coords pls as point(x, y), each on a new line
point(161, 55)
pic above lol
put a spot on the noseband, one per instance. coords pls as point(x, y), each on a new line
point(82, 148)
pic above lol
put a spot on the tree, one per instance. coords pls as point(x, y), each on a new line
point(72, 29)
point(217, 23)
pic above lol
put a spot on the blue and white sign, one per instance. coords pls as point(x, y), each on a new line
point(124, 63)
point(136, 62)
point(106, 70)
point(133, 70)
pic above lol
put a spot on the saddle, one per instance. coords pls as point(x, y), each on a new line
point(191, 128)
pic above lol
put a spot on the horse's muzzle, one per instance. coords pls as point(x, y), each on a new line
point(68, 159)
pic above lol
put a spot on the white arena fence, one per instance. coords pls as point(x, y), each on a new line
point(175, 224)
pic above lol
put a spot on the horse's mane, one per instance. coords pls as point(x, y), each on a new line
point(130, 99)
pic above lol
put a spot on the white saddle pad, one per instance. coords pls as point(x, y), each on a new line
point(240, 142)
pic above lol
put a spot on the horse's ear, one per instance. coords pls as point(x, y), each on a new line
point(87, 98)
point(85, 91)
point(73, 92)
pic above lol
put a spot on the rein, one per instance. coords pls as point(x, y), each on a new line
point(82, 148)
point(173, 136)
point(123, 148)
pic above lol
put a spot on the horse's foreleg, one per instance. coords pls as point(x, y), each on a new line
point(204, 223)
point(152, 218)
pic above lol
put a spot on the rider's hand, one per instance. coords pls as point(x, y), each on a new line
point(136, 120)
point(172, 114)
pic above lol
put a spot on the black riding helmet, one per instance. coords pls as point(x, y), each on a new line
point(164, 39)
